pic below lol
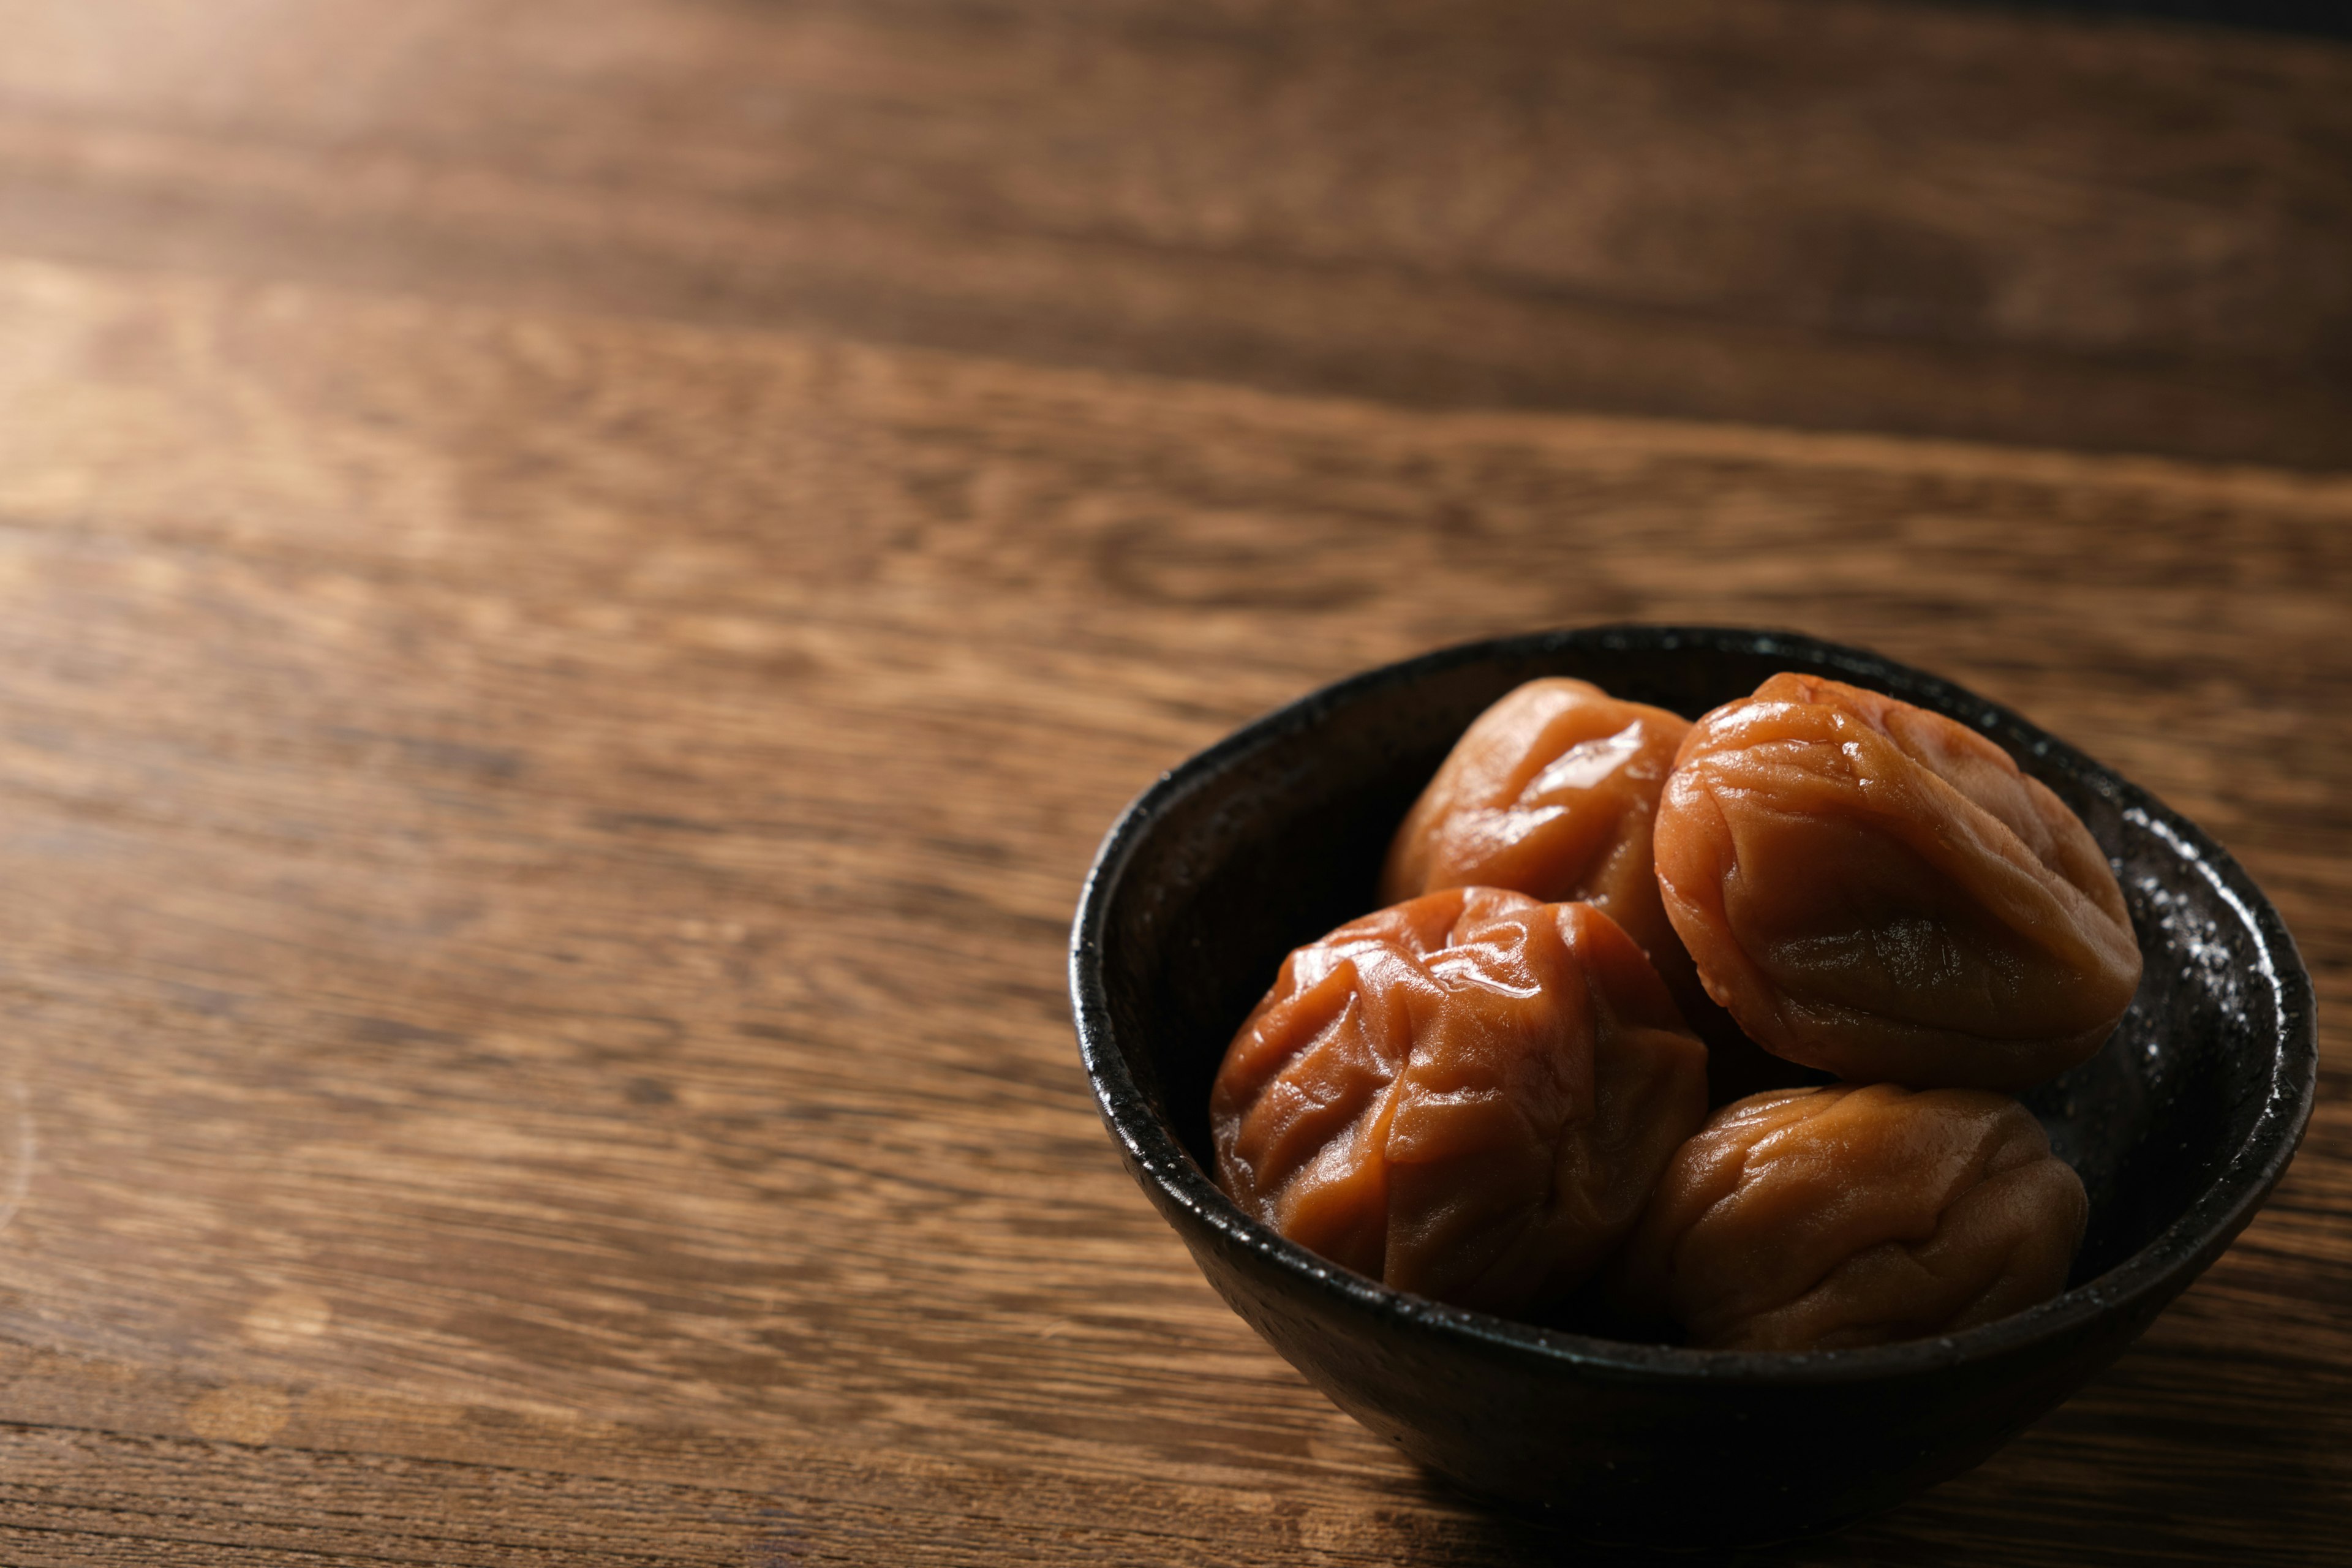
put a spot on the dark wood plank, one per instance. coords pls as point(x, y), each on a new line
point(1839, 213)
point(540, 848)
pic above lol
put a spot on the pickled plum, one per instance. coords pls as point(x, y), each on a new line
point(1846, 1216)
point(1469, 1095)
point(1874, 889)
point(1550, 793)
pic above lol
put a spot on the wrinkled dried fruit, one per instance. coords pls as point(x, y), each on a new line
point(1550, 793)
point(1834, 1217)
point(1875, 889)
point(1468, 1096)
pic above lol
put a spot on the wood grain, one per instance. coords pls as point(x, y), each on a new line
point(544, 795)
point(1829, 212)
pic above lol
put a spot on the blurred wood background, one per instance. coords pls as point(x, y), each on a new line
point(579, 580)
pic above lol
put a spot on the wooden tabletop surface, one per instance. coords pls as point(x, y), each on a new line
point(579, 582)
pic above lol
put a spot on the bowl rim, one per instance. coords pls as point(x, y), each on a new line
point(2176, 1253)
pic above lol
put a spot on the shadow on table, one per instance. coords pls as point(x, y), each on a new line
point(2177, 1454)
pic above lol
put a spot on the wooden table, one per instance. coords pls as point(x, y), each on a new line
point(578, 583)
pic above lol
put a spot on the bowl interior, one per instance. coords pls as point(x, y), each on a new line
point(1276, 835)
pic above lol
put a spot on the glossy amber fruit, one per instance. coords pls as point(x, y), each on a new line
point(1876, 891)
point(1846, 1216)
point(1550, 793)
point(1468, 1096)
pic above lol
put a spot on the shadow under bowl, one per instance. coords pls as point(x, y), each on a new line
point(2180, 1127)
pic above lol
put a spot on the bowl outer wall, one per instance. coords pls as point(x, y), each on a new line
point(1625, 1439)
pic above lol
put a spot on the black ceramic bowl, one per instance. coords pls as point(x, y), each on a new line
point(2180, 1126)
